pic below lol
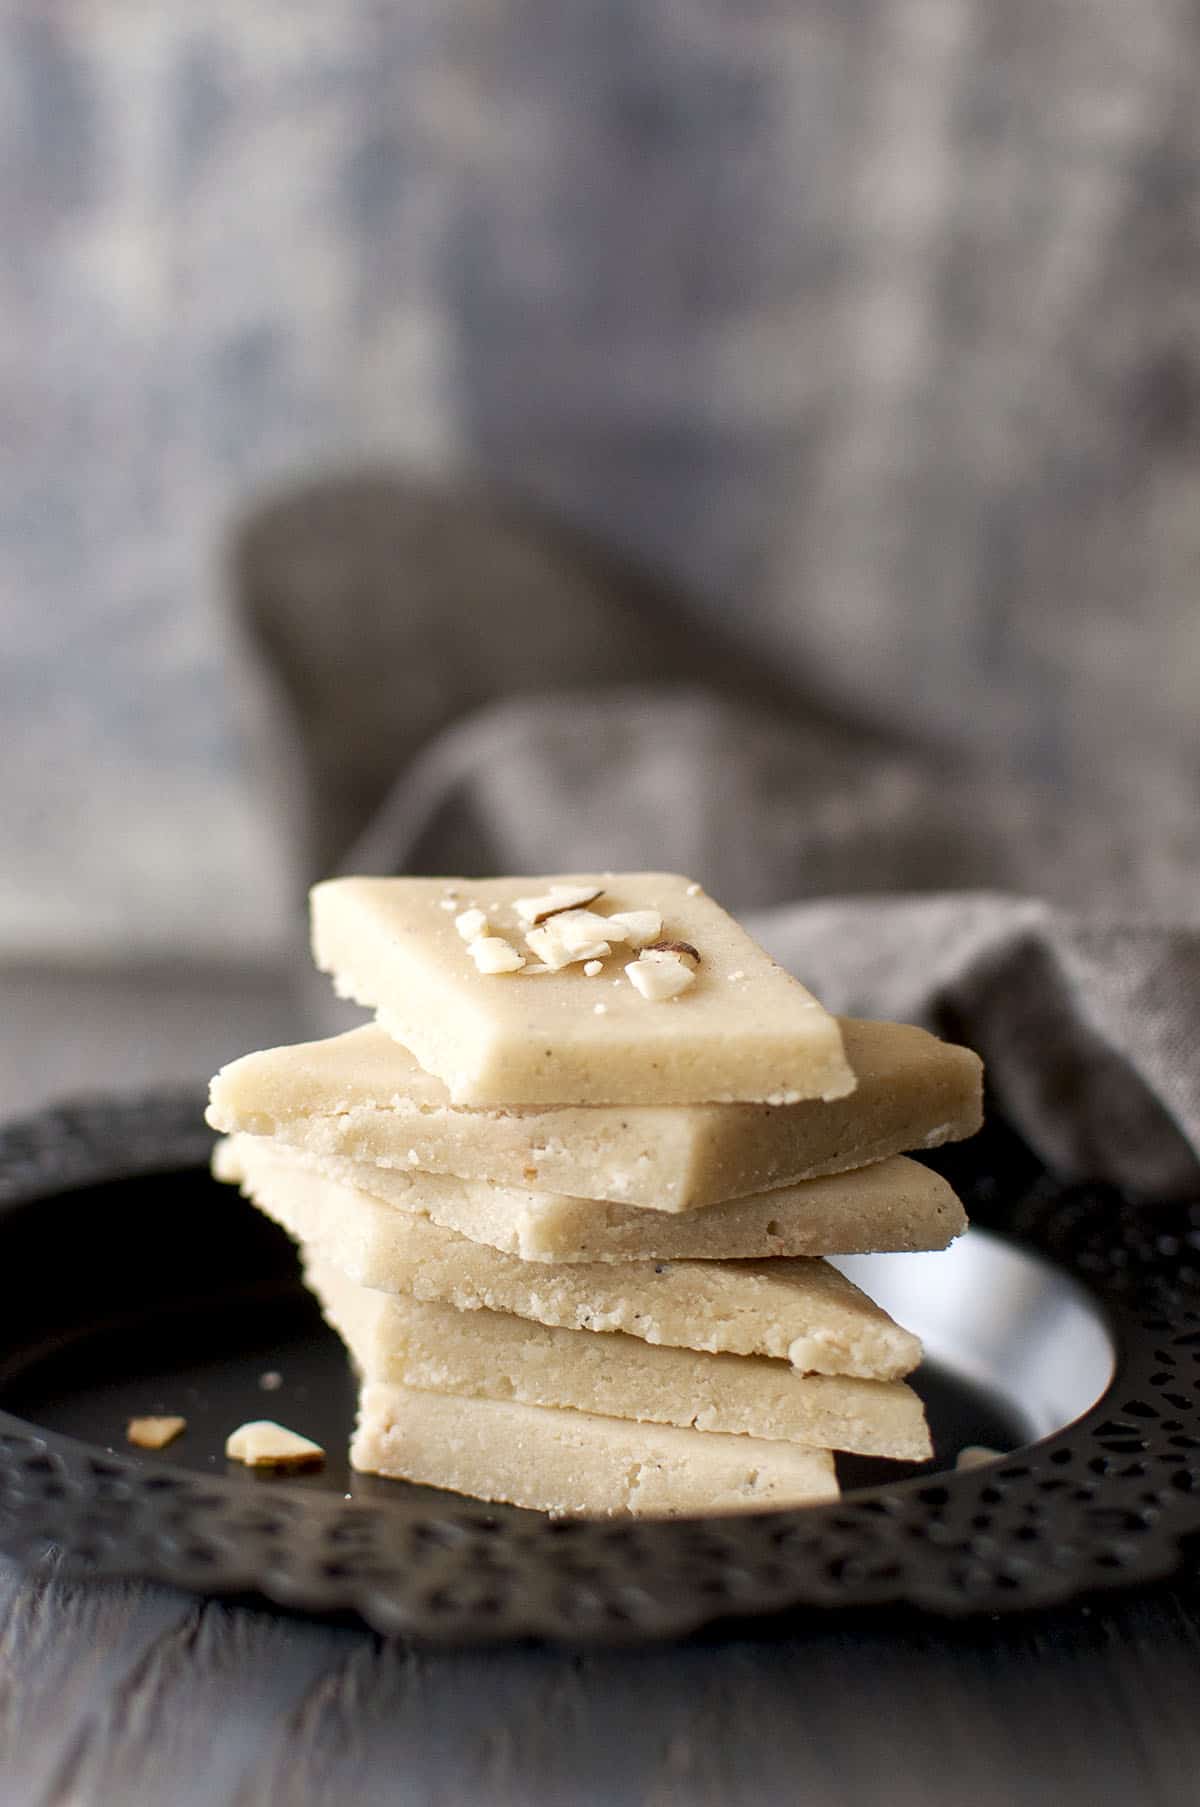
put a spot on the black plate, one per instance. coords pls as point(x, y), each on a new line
point(131, 1284)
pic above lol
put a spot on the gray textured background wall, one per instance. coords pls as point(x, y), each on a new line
point(877, 324)
point(220, 232)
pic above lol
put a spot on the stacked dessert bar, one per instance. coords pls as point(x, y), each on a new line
point(566, 1198)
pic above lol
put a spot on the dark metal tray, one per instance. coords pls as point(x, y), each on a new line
point(130, 1283)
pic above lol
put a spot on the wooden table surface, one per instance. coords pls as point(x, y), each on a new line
point(130, 1696)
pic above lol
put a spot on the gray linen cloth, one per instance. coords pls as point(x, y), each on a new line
point(452, 686)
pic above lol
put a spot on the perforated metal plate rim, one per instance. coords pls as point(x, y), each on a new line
point(1107, 1502)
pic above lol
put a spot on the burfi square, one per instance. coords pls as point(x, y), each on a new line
point(739, 1029)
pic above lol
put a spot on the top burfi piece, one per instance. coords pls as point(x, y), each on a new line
point(513, 991)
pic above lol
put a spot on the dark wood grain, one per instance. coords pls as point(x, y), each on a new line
point(127, 1696)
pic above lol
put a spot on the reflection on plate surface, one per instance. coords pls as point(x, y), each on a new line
point(1001, 1320)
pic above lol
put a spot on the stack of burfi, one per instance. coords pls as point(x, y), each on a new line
point(565, 1199)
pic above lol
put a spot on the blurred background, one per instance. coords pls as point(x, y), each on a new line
point(758, 437)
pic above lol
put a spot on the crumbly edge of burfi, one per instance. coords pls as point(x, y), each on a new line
point(575, 1463)
point(486, 1354)
point(914, 1092)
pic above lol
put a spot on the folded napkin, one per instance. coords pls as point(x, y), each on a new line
point(450, 686)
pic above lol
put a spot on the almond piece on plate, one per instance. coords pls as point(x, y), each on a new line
point(977, 1455)
point(264, 1444)
point(154, 1433)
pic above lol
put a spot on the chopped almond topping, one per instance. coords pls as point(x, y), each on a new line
point(471, 924)
point(493, 954)
point(660, 976)
point(635, 927)
point(578, 929)
point(154, 1433)
point(674, 947)
point(575, 935)
point(559, 898)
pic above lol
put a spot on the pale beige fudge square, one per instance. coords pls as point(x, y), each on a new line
point(363, 1096)
point(802, 1311)
point(576, 1463)
point(744, 1030)
point(493, 1355)
point(895, 1205)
